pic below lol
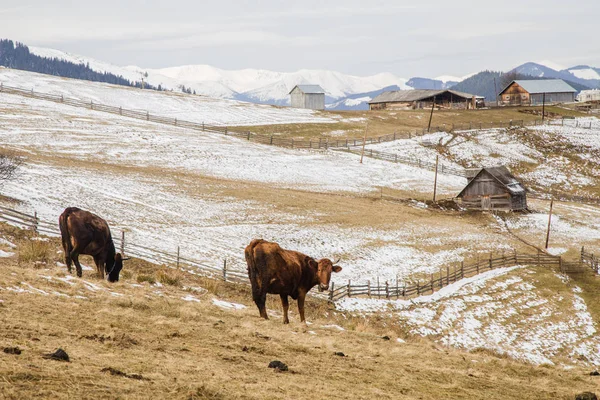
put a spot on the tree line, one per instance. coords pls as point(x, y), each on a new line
point(17, 56)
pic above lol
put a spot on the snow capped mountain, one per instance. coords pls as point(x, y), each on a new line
point(582, 74)
point(255, 85)
point(585, 72)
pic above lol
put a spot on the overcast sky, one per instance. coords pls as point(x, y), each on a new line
point(408, 38)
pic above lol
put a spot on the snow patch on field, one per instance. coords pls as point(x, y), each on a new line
point(505, 314)
point(199, 109)
point(228, 305)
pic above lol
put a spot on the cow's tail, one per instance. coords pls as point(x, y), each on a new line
point(250, 259)
point(64, 233)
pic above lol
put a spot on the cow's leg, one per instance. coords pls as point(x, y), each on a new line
point(258, 296)
point(262, 305)
point(301, 296)
point(286, 306)
point(99, 261)
point(68, 260)
point(75, 257)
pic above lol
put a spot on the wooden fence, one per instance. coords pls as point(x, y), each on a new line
point(320, 143)
point(395, 290)
point(380, 290)
point(34, 223)
point(590, 260)
point(395, 158)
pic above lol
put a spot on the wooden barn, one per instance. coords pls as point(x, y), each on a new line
point(536, 91)
point(493, 188)
point(308, 96)
point(424, 98)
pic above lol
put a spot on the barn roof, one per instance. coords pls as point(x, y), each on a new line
point(537, 86)
point(309, 89)
point(415, 95)
point(502, 175)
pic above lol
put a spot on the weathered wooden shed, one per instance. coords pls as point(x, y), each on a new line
point(308, 96)
point(493, 188)
point(424, 98)
point(536, 91)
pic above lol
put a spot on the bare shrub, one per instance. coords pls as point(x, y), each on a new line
point(9, 165)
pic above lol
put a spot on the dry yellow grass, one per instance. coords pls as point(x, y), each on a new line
point(166, 347)
point(386, 122)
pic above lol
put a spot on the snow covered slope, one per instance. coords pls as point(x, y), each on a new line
point(256, 85)
point(199, 109)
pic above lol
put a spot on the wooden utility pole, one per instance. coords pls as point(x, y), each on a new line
point(437, 159)
point(543, 107)
point(431, 115)
point(549, 221)
point(362, 153)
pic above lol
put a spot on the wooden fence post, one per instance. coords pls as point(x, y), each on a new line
point(378, 289)
point(248, 135)
point(0, 86)
point(202, 126)
point(123, 243)
point(271, 141)
point(387, 290)
point(418, 289)
point(147, 116)
point(331, 291)
point(447, 276)
point(369, 288)
point(35, 222)
point(432, 290)
point(225, 270)
point(120, 110)
point(490, 260)
point(348, 290)
point(62, 98)
point(397, 293)
point(175, 121)
point(462, 269)
point(177, 257)
point(582, 253)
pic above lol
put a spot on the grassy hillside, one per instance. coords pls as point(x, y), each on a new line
point(184, 339)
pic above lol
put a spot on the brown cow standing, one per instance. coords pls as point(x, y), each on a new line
point(274, 270)
point(86, 233)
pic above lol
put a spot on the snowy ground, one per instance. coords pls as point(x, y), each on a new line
point(505, 311)
point(489, 147)
point(142, 178)
point(198, 109)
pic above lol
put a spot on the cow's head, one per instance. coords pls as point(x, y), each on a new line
point(323, 268)
point(113, 274)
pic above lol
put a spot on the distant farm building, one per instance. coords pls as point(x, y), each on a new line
point(588, 95)
point(493, 188)
point(536, 91)
point(424, 98)
point(308, 96)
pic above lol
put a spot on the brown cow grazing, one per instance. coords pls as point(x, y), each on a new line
point(274, 270)
point(86, 233)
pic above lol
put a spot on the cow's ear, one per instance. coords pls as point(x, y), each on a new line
point(336, 268)
point(311, 262)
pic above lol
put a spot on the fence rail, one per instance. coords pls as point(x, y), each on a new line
point(387, 290)
point(396, 290)
point(590, 260)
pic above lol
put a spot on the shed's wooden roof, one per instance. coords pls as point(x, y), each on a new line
point(502, 175)
point(309, 89)
point(416, 95)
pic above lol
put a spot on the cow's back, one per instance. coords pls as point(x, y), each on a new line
point(85, 228)
point(272, 268)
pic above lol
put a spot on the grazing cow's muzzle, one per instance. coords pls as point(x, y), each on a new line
point(323, 287)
